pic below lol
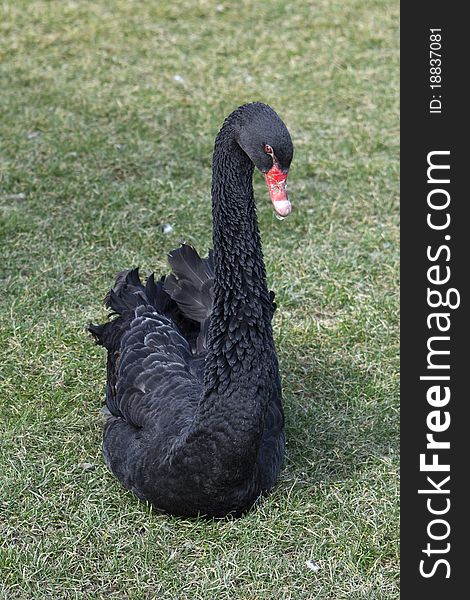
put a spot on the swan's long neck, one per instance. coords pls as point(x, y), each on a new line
point(240, 335)
point(240, 369)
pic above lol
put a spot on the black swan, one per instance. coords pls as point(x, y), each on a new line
point(195, 423)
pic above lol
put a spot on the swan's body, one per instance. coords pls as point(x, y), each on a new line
point(194, 393)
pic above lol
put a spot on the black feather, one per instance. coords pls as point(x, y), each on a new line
point(191, 283)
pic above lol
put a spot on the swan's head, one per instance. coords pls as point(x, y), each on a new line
point(265, 139)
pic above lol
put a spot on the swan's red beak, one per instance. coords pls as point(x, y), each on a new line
point(276, 180)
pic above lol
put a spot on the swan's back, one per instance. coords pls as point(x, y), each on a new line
point(156, 345)
point(154, 368)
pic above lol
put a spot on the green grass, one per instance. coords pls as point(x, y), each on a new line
point(100, 145)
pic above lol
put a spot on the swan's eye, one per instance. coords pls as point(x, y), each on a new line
point(268, 149)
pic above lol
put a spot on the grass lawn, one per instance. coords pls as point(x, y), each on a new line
point(108, 115)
